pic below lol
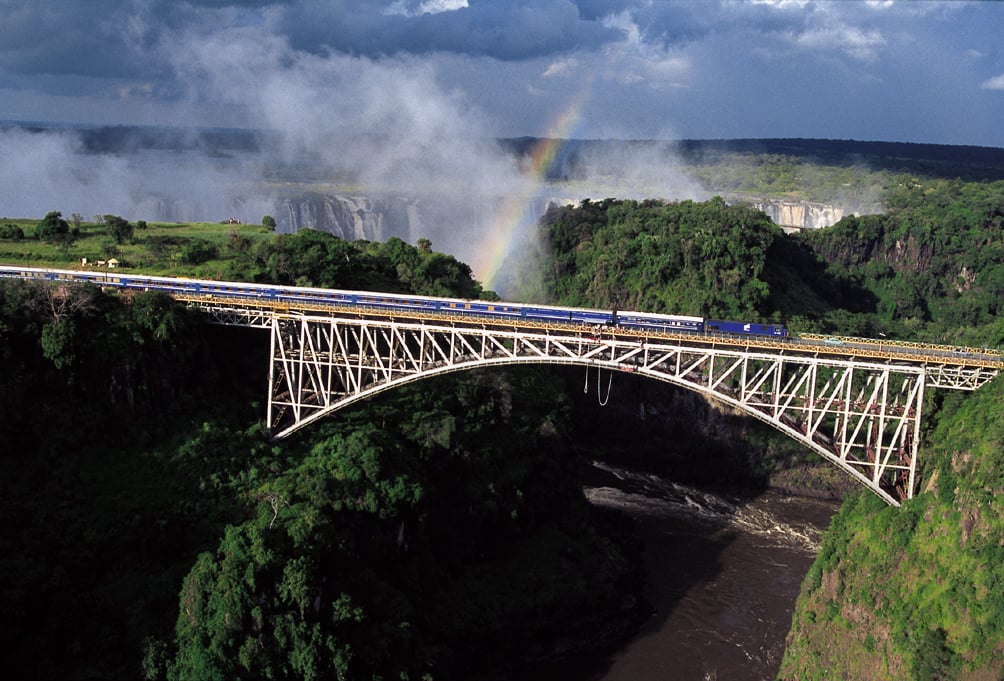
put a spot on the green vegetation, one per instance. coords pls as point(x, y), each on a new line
point(238, 252)
point(155, 248)
point(312, 258)
point(53, 228)
point(934, 263)
point(930, 269)
point(447, 540)
point(689, 258)
point(915, 592)
point(707, 259)
point(438, 531)
point(895, 593)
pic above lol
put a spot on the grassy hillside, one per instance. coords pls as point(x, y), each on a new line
point(915, 592)
point(183, 249)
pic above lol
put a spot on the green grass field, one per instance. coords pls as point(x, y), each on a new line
point(158, 248)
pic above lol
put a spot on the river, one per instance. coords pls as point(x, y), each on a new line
point(723, 571)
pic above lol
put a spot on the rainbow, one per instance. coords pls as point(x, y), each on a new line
point(512, 217)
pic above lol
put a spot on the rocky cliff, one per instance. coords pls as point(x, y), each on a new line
point(348, 217)
point(801, 215)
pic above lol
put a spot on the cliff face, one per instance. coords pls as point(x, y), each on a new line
point(409, 217)
point(347, 217)
point(915, 592)
point(454, 225)
point(801, 215)
point(471, 227)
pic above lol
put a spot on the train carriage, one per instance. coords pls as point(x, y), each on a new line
point(419, 305)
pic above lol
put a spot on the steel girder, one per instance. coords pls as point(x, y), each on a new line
point(864, 417)
point(958, 377)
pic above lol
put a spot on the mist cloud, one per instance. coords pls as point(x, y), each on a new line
point(365, 127)
point(405, 98)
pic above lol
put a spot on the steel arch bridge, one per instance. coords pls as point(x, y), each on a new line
point(858, 405)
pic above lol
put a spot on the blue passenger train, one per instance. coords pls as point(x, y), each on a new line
point(390, 302)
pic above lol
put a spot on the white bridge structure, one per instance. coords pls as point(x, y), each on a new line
point(857, 402)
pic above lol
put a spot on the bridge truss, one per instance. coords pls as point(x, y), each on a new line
point(863, 417)
point(861, 414)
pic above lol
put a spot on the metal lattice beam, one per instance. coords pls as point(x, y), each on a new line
point(863, 417)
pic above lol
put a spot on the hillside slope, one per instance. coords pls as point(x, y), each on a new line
point(915, 592)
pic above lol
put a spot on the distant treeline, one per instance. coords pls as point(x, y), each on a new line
point(934, 160)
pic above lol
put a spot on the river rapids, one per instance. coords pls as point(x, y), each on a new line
point(723, 571)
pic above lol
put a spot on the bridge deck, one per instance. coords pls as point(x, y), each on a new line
point(809, 344)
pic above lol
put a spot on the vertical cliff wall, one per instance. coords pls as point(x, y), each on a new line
point(801, 215)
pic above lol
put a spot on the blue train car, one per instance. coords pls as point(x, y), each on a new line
point(565, 315)
point(746, 328)
point(392, 303)
point(660, 322)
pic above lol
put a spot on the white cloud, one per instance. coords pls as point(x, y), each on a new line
point(995, 83)
point(782, 3)
point(562, 67)
point(858, 43)
point(635, 61)
point(437, 6)
point(427, 7)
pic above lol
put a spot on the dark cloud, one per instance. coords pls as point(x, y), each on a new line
point(509, 30)
point(113, 38)
point(108, 39)
point(521, 57)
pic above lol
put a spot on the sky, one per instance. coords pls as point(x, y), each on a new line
point(628, 69)
point(401, 102)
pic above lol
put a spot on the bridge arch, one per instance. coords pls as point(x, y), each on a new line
point(862, 417)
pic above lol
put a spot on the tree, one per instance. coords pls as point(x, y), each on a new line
point(12, 232)
point(120, 228)
point(198, 251)
point(268, 221)
point(53, 227)
point(59, 341)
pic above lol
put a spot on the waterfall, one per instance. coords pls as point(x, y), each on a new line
point(801, 215)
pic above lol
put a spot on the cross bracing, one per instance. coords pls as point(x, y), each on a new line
point(858, 403)
point(863, 417)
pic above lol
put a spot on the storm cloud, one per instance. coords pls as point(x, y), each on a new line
point(717, 69)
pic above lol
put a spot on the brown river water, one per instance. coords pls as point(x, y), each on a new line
point(723, 571)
